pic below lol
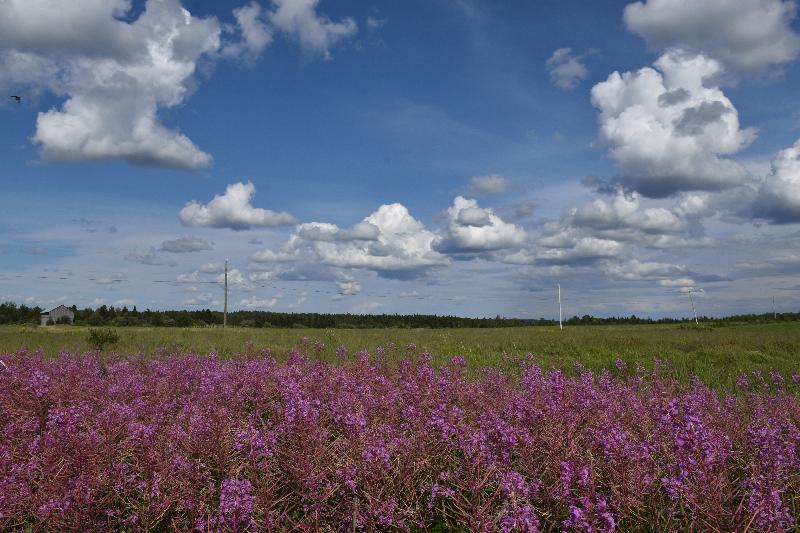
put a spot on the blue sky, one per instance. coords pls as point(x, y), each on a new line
point(456, 157)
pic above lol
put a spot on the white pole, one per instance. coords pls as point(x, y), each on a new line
point(225, 312)
point(560, 324)
point(693, 309)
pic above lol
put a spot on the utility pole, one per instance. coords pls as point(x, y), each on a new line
point(774, 313)
point(560, 324)
point(693, 309)
point(225, 313)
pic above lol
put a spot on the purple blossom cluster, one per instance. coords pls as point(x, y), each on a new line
point(250, 444)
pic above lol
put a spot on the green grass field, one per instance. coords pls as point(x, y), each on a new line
point(717, 355)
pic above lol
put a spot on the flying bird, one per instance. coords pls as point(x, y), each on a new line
point(17, 98)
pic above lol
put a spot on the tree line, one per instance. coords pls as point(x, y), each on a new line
point(11, 313)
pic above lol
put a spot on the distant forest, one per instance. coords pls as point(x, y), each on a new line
point(11, 313)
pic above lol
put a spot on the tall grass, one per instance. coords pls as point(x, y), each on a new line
point(716, 355)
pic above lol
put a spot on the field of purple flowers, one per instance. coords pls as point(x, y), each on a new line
point(190, 442)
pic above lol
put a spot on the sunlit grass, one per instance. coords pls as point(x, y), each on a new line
point(715, 354)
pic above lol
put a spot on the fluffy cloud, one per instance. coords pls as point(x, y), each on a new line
point(694, 206)
point(402, 247)
point(624, 212)
point(665, 242)
point(185, 245)
point(296, 19)
point(315, 33)
point(743, 34)
point(148, 257)
point(190, 277)
point(116, 75)
point(627, 217)
point(201, 299)
point(668, 131)
point(472, 229)
point(233, 210)
point(583, 250)
point(235, 279)
point(289, 253)
point(295, 272)
point(785, 262)
point(667, 275)
point(566, 247)
point(211, 268)
point(254, 302)
point(322, 231)
point(679, 283)
point(349, 288)
point(566, 70)
point(605, 228)
point(778, 198)
point(488, 185)
point(254, 31)
point(89, 27)
point(636, 270)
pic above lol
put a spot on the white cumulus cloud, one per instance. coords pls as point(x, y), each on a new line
point(323, 231)
point(472, 229)
point(184, 245)
point(744, 35)
point(255, 33)
point(625, 212)
point(211, 268)
point(669, 132)
point(233, 210)
point(635, 270)
point(254, 302)
point(402, 248)
point(235, 279)
point(566, 70)
point(581, 251)
point(778, 198)
point(189, 277)
point(315, 33)
point(349, 288)
point(115, 75)
point(488, 185)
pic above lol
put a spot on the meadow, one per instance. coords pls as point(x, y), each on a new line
point(593, 428)
point(387, 441)
point(716, 354)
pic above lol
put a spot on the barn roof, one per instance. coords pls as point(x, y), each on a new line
point(53, 309)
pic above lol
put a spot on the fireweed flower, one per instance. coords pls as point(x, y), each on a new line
point(236, 502)
point(39, 382)
point(249, 444)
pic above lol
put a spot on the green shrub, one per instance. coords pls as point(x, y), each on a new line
point(99, 338)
